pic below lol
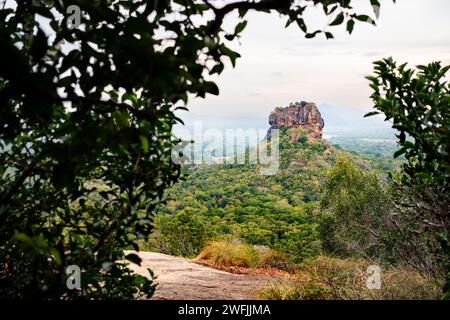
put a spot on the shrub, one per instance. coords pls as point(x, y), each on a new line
point(422, 122)
point(293, 289)
point(233, 253)
point(270, 258)
point(355, 211)
point(229, 253)
point(301, 242)
point(182, 235)
point(326, 278)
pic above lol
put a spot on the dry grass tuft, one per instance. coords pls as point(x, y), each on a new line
point(236, 257)
point(228, 254)
point(325, 278)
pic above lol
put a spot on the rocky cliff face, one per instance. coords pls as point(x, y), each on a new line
point(302, 117)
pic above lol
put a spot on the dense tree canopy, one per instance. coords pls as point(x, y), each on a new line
point(418, 104)
point(354, 205)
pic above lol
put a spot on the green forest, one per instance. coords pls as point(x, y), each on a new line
point(324, 205)
point(280, 211)
point(90, 94)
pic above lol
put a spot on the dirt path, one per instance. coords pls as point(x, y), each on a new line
point(183, 279)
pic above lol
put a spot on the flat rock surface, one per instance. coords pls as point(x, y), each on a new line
point(183, 279)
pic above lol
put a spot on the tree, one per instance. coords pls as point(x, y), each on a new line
point(418, 104)
point(182, 235)
point(85, 127)
point(354, 211)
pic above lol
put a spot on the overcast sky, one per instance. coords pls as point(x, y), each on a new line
point(279, 65)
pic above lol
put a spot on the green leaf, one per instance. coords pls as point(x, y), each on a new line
point(312, 34)
point(301, 24)
point(39, 45)
point(408, 144)
point(288, 22)
point(446, 296)
point(130, 97)
point(338, 20)
point(144, 143)
point(233, 55)
point(365, 18)
point(350, 25)
point(398, 153)
point(218, 68)
point(370, 114)
point(375, 3)
point(242, 12)
point(240, 27)
point(376, 7)
point(43, 11)
point(134, 258)
point(211, 87)
point(229, 37)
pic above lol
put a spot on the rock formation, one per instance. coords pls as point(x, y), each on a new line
point(301, 117)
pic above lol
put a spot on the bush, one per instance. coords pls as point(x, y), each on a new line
point(233, 253)
point(229, 254)
point(269, 258)
point(355, 212)
point(422, 122)
point(301, 242)
point(182, 235)
point(292, 289)
point(326, 278)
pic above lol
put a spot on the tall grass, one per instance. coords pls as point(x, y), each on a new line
point(233, 253)
point(325, 278)
point(229, 253)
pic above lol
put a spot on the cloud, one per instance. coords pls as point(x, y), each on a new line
point(276, 74)
point(279, 65)
point(371, 54)
point(255, 93)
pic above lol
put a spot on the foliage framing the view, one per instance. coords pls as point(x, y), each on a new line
point(418, 104)
point(85, 128)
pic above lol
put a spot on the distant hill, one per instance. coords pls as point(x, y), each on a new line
point(277, 210)
point(339, 122)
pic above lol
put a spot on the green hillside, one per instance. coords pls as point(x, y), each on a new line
point(279, 211)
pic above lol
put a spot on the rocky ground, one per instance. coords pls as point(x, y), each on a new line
point(183, 279)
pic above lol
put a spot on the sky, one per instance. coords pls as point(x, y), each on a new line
point(279, 65)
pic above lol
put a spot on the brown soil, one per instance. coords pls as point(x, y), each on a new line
point(272, 272)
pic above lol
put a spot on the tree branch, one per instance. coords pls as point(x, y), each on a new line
point(140, 114)
point(220, 13)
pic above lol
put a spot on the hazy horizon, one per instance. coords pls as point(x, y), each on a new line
point(336, 123)
point(279, 66)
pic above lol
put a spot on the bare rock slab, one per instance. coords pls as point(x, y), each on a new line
point(182, 279)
